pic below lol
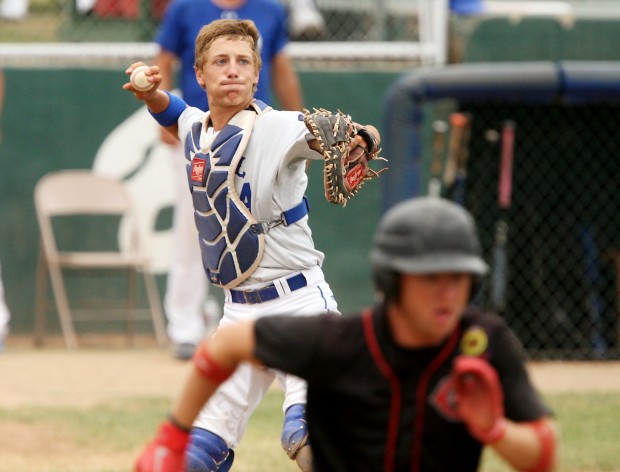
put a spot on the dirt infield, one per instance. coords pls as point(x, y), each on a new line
point(95, 375)
point(86, 377)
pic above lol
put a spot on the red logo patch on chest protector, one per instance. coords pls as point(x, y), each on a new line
point(198, 170)
point(443, 399)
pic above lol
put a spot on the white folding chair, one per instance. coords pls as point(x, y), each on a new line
point(61, 199)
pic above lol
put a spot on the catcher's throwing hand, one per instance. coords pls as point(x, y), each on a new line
point(479, 398)
point(151, 74)
point(347, 149)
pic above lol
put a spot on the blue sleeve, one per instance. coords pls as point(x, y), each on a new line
point(169, 35)
point(271, 19)
point(281, 37)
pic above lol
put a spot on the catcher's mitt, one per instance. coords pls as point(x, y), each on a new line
point(345, 170)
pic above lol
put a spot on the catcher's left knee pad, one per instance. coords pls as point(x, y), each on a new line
point(207, 452)
point(295, 430)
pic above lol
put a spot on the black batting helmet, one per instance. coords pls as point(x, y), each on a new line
point(421, 236)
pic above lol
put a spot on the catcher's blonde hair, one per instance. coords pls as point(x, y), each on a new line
point(244, 30)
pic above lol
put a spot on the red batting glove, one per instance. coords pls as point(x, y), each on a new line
point(165, 453)
point(480, 398)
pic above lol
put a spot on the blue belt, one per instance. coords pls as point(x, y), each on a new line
point(267, 293)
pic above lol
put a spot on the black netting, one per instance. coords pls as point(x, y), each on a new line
point(564, 222)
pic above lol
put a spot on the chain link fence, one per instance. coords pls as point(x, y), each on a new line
point(562, 245)
point(564, 236)
point(563, 242)
point(137, 20)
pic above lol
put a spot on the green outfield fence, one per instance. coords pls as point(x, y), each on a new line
point(60, 119)
point(64, 104)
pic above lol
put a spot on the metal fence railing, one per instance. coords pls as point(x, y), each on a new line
point(381, 34)
point(137, 20)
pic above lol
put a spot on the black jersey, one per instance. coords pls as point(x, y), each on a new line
point(375, 406)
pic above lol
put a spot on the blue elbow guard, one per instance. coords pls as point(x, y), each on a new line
point(170, 115)
point(207, 452)
point(295, 430)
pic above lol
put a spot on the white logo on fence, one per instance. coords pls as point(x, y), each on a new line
point(134, 153)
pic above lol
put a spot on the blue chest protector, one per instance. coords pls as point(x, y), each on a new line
point(230, 245)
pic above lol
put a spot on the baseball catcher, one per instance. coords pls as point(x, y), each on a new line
point(246, 173)
point(346, 166)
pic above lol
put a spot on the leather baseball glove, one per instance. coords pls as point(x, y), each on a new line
point(346, 166)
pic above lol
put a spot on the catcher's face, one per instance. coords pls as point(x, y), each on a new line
point(228, 74)
point(429, 308)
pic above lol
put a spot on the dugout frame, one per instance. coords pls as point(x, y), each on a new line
point(418, 97)
point(541, 82)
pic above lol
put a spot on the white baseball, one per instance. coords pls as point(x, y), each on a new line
point(139, 80)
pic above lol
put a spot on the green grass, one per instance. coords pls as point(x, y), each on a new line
point(107, 438)
point(589, 429)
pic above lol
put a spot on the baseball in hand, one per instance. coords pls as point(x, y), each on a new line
point(139, 80)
